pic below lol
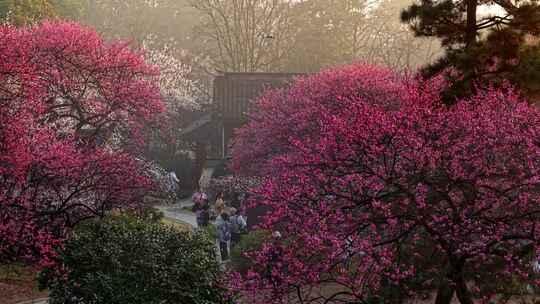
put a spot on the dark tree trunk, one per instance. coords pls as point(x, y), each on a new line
point(454, 282)
point(470, 36)
point(462, 291)
point(445, 293)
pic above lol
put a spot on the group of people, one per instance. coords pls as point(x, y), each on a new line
point(230, 223)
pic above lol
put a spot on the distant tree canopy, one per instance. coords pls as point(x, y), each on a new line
point(483, 40)
point(137, 19)
point(326, 33)
point(392, 44)
point(245, 35)
point(21, 12)
point(306, 35)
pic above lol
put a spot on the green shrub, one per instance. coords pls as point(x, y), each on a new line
point(211, 231)
point(248, 242)
point(128, 260)
point(147, 214)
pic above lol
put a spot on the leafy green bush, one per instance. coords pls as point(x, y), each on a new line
point(147, 214)
point(128, 260)
point(211, 231)
point(248, 242)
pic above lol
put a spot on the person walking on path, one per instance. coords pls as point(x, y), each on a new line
point(202, 213)
point(238, 226)
point(224, 235)
point(219, 206)
point(173, 183)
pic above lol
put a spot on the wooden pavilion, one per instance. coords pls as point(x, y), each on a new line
point(233, 96)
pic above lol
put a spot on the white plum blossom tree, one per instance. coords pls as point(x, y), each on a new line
point(179, 88)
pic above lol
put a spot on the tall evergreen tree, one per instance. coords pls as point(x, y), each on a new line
point(484, 40)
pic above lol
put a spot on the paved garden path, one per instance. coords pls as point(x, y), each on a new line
point(178, 212)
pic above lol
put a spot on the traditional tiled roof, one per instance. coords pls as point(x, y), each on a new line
point(233, 92)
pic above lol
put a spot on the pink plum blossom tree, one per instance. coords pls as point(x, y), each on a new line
point(65, 96)
point(381, 193)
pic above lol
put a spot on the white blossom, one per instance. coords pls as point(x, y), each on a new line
point(178, 88)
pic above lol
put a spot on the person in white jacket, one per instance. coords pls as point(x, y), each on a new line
point(173, 182)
